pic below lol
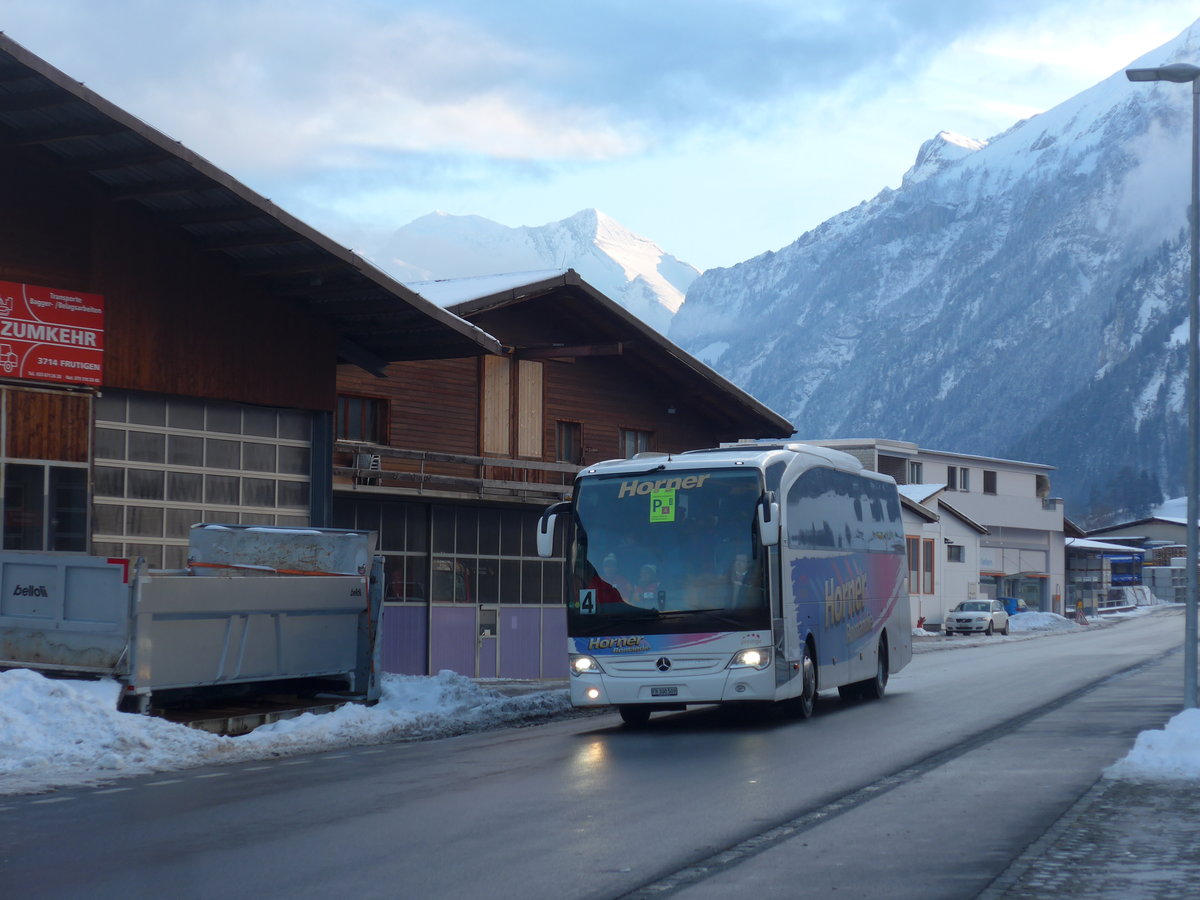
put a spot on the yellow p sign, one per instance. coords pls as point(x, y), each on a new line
point(662, 505)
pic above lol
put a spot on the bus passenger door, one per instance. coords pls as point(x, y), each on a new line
point(783, 620)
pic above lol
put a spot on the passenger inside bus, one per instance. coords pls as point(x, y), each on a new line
point(645, 592)
point(610, 572)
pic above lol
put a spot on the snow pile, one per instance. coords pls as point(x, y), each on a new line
point(412, 707)
point(1040, 621)
point(921, 632)
point(1170, 754)
point(50, 729)
point(57, 733)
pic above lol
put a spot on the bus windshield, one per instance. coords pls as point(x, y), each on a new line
point(667, 552)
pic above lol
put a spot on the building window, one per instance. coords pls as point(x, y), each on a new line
point(361, 419)
point(634, 442)
point(916, 473)
point(569, 443)
point(45, 507)
point(920, 565)
point(989, 482)
point(914, 564)
point(955, 553)
point(958, 479)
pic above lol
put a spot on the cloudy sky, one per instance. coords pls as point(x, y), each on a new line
point(718, 128)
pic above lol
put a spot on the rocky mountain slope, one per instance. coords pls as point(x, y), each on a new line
point(1019, 297)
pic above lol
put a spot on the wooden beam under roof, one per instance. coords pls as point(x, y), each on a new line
point(611, 348)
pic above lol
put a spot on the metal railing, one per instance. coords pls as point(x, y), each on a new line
point(391, 469)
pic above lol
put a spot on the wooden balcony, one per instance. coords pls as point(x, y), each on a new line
point(384, 470)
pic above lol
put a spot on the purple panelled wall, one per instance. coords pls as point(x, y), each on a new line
point(554, 642)
point(403, 631)
point(532, 641)
point(453, 644)
point(520, 628)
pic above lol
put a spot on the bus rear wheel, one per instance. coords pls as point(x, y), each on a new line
point(873, 688)
point(634, 716)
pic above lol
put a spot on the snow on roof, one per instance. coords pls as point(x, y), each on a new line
point(1175, 508)
point(919, 493)
point(1086, 544)
point(449, 291)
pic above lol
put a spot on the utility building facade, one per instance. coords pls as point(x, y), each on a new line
point(1021, 545)
point(452, 461)
point(169, 340)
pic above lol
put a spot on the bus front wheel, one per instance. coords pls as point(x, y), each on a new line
point(634, 716)
point(805, 705)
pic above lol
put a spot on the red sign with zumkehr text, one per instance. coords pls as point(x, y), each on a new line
point(47, 334)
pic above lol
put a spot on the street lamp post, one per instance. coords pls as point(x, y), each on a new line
point(1182, 73)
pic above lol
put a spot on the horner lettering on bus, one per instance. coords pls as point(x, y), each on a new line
point(637, 486)
point(616, 644)
point(844, 600)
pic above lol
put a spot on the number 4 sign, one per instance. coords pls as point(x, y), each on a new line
point(587, 600)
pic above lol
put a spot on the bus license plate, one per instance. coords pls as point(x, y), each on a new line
point(664, 692)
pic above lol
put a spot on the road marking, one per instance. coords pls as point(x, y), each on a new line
point(52, 800)
point(115, 790)
point(295, 762)
point(723, 860)
point(256, 768)
point(167, 781)
point(212, 775)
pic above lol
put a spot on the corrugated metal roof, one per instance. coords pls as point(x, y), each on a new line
point(378, 318)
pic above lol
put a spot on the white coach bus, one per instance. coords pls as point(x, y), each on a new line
point(754, 572)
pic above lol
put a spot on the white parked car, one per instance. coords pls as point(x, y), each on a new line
point(976, 616)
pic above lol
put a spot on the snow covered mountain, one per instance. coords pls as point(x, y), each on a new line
point(629, 269)
point(1019, 297)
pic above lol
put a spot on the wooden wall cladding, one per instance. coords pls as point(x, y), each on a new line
point(48, 425)
point(432, 404)
point(46, 226)
point(436, 405)
point(606, 395)
point(177, 320)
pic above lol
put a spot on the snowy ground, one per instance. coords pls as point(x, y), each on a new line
point(63, 733)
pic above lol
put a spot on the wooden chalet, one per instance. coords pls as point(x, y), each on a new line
point(451, 461)
point(169, 340)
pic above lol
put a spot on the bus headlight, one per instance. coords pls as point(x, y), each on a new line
point(755, 658)
point(584, 665)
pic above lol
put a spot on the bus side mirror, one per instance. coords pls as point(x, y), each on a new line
point(545, 528)
point(768, 520)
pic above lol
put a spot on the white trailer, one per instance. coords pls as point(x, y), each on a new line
point(257, 605)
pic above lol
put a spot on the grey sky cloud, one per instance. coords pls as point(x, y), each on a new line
point(675, 62)
point(528, 110)
point(668, 64)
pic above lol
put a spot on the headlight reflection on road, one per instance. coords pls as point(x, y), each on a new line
point(590, 765)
